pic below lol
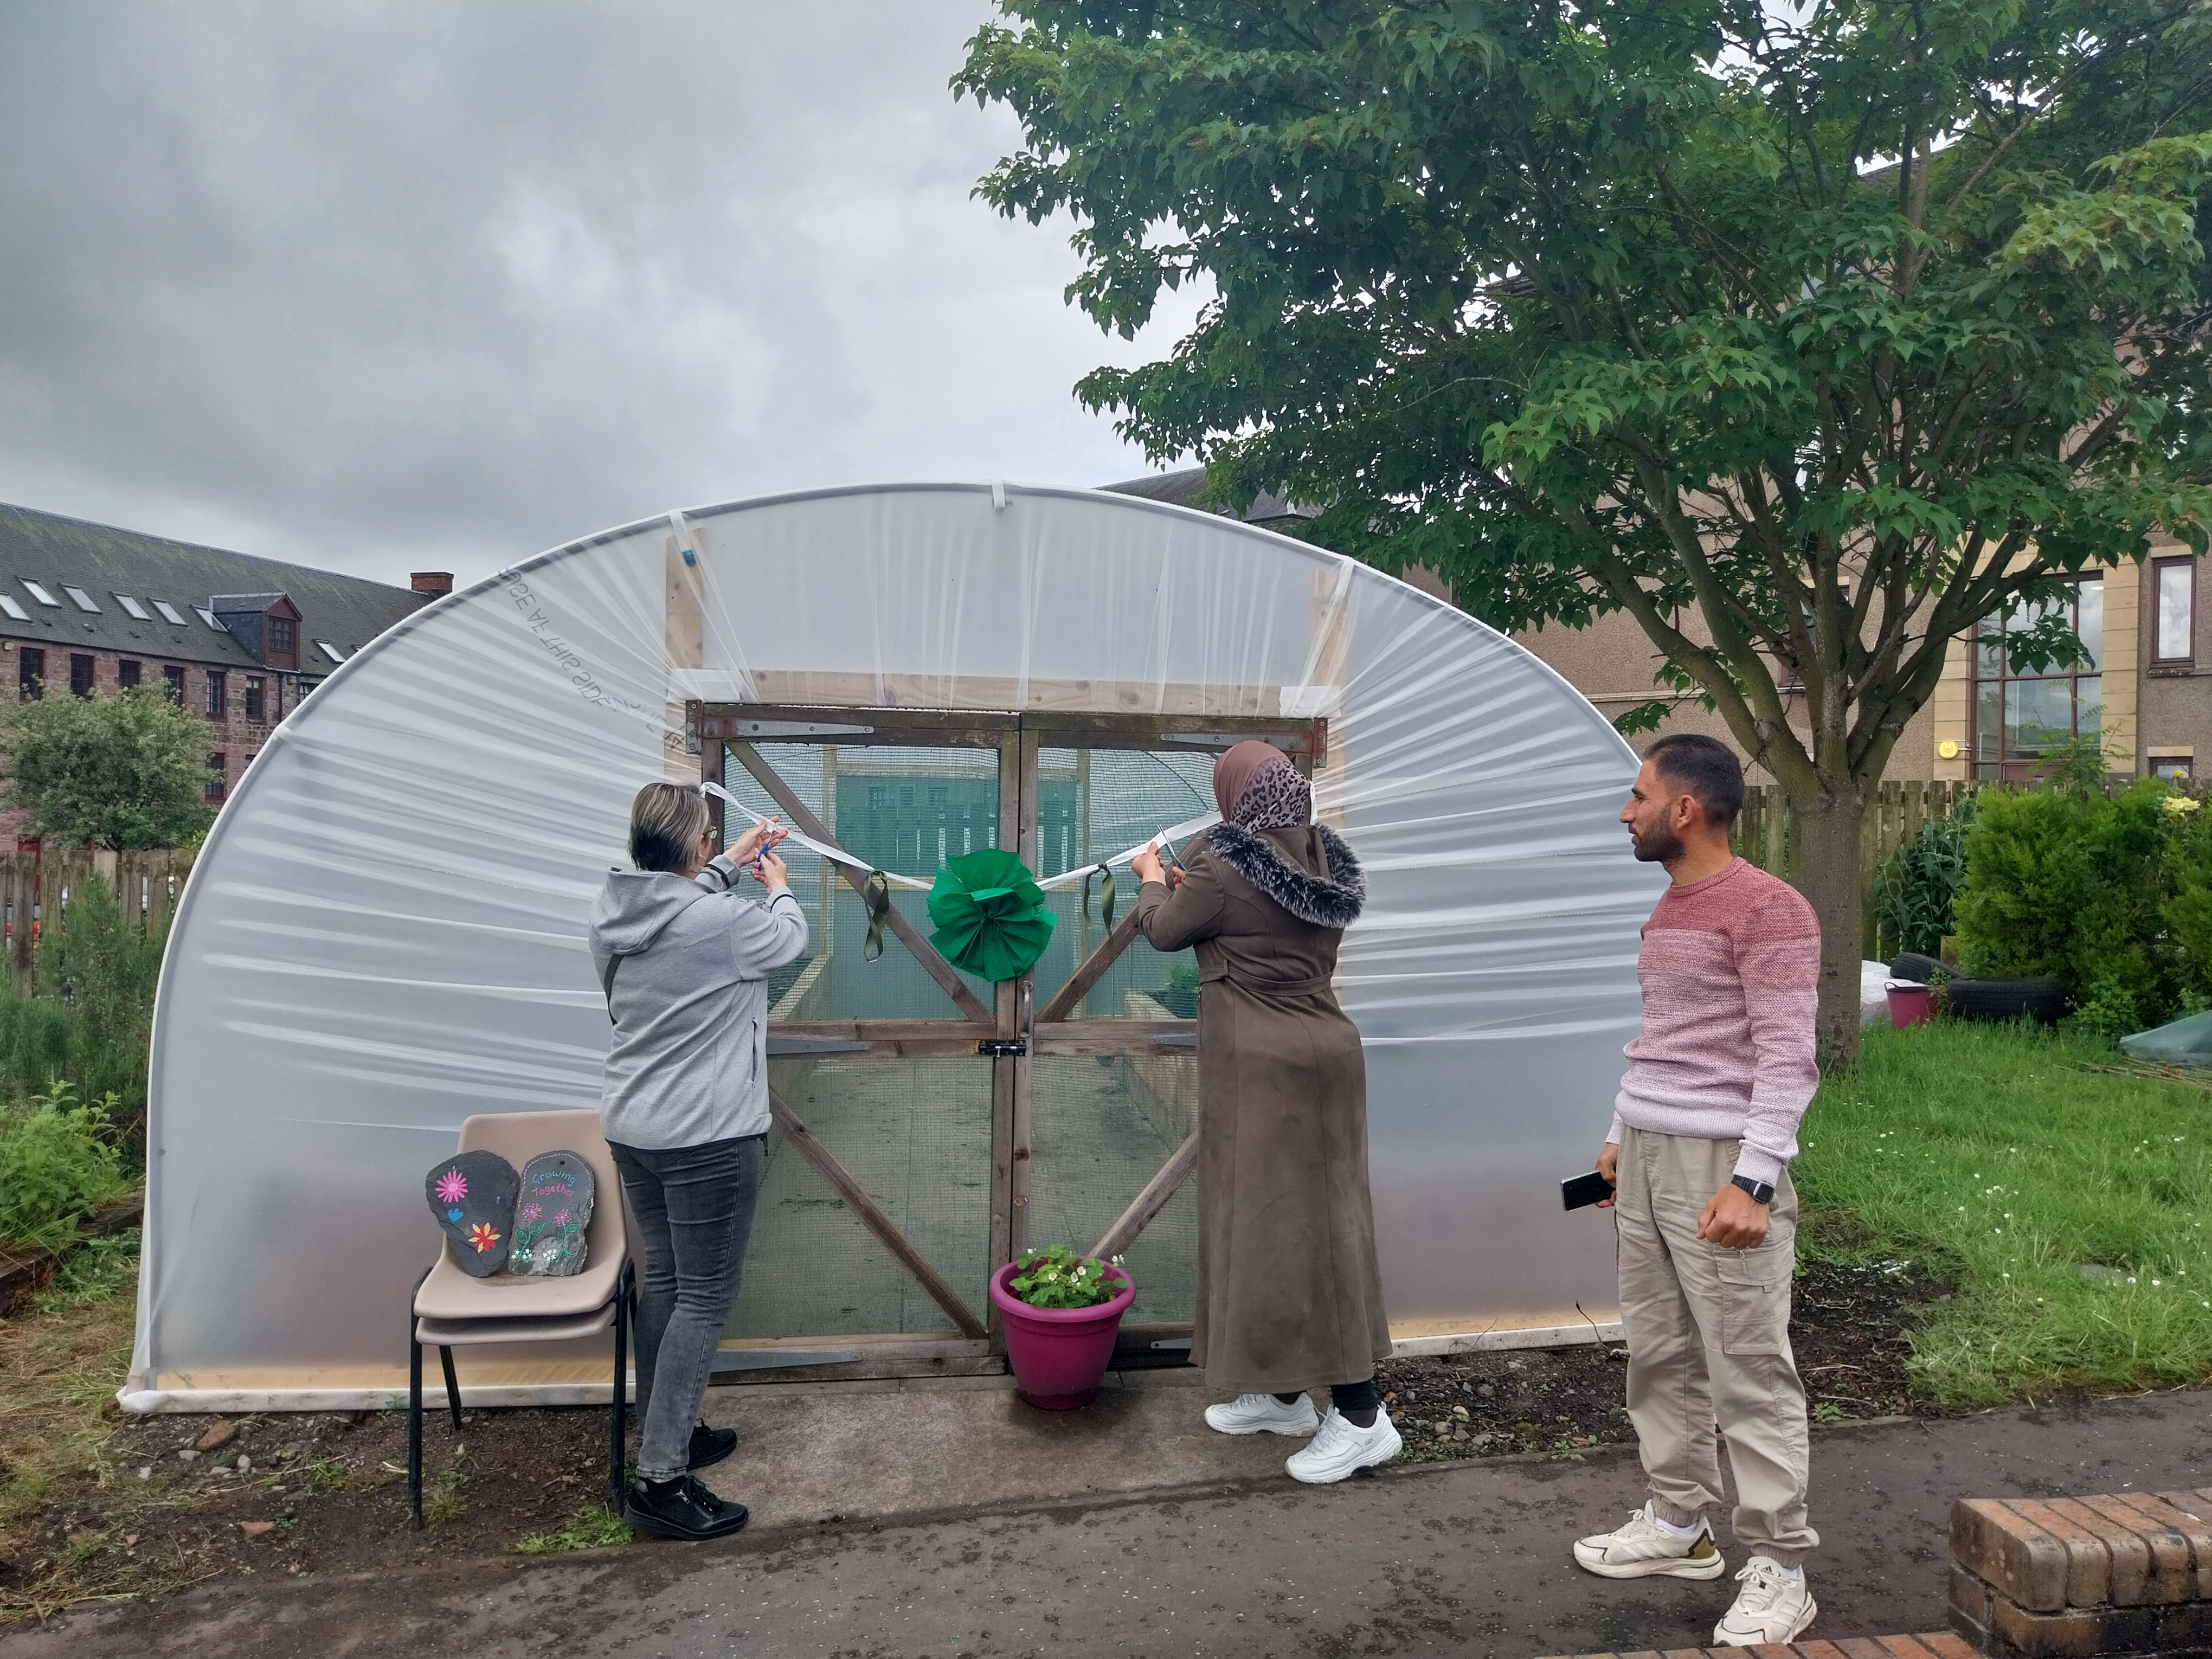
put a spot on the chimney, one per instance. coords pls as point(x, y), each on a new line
point(432, 582)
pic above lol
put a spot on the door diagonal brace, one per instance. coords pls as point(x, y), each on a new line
point(1079, 983)
point(1151, 1201)
point(939, 969)
point(872, 1218)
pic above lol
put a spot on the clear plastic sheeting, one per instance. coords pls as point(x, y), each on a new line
point(386, 932)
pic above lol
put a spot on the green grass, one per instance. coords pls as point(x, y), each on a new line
point(1984, 1153)
point(593, 1526)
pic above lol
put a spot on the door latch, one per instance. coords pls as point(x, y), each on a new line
point(1003, 1048)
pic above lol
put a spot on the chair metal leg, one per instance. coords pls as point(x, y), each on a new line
point(452, 1388)
point(621, 1414)
point(414, 1425)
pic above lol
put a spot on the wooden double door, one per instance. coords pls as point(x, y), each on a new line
point(930, 1126)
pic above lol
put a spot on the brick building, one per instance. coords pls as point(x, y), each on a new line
point(91, 609)
point(2146, 694)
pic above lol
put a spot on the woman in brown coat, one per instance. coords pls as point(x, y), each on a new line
point(1289, 1296)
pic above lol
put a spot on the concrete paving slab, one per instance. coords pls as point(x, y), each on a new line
point(943, 1445)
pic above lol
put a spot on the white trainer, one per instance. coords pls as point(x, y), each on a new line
point(1643, 1547)
point(1343, 1447)
point(1262, 1414)
point(1774, 1606)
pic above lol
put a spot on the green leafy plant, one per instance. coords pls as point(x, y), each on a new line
point(124, 772)
point(595, 1526)
point(1058, 1278)
point(59, 1163)
point(1918, 885)
point(1807, 336)
point(95, 1271)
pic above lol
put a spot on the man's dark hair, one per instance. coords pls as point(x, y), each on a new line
point(1704, 767)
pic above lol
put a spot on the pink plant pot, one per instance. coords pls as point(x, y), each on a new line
point(1909, 1005)
point(1060, 1355)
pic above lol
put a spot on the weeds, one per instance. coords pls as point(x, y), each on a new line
point(591, 1528)
point(446, 1500)
point(59, 1163)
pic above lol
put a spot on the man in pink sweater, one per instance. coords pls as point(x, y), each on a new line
point(1704, 1129)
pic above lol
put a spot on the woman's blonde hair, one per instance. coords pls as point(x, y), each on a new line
point(665, 823)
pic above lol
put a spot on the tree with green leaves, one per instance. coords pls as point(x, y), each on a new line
point(1807, 336)
point(124, 772)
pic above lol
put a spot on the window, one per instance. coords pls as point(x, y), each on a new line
point(127, 671)
point(39, 592)
point(175, 677)
point(14, 607)
point(2174, 769)
point(218, 694)
point(209, 617)
point(281, 642)
point(132, 606)
point(256, 705)
point(168, 612)
point(81, 599)
point(30, 675)
point(2174, 607)
point(213, 789)
point(329, 650)
point(83, 670)
point(2019, 715)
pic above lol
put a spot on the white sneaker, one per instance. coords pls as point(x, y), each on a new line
point(1343, 1447)
point(1643, 1547)
point(1774, 1606)
point(1262, 1414)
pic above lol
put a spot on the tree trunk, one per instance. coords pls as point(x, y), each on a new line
point(1824, 866)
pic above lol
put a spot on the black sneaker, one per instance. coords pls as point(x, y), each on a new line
point(680, 1509)
point(710, 1446)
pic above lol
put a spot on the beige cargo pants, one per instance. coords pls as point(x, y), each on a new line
point(1708, 1333)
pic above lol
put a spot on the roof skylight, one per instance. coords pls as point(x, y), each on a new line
point(14, 608)
point(39, 593)
point(132, 606)
point(330, 651)
point(80, 599)
point(168, 612)
point(209, 617)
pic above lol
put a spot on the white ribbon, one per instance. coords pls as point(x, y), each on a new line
point(1050, 884)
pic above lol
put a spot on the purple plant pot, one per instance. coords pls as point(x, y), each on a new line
point(1060, 1355)
point(1909, 1005)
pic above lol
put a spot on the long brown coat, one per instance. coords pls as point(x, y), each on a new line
point(1289, 1294)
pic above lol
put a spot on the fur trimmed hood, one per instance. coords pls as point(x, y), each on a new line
point(1335, 903)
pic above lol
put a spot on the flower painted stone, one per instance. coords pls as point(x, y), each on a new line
point(472, 1194)
point(551, 1216)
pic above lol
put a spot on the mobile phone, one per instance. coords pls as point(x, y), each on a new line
point(1578, 1191)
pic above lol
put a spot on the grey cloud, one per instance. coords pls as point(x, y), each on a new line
point(385, 285)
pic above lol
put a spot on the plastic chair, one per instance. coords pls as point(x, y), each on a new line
point(451, 1309)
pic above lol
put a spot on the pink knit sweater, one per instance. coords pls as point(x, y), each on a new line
point(1730, 968)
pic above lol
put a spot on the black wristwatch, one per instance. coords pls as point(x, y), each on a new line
point(1760, 1192)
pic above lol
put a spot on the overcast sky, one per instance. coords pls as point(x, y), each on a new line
point(390, 285)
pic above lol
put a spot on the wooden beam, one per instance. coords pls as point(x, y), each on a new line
point(803, 819)
point(872, 1218)
point(1115, 1037)
point(1151, 1201)
point(1093, 968)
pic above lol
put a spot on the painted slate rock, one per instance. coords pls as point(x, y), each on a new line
point(551, 1216)
point(472, 1194)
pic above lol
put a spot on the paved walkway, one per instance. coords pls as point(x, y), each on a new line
point(1467, 1560)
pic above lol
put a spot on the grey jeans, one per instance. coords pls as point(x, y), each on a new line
point(694, 1206)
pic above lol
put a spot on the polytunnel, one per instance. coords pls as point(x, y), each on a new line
point(385, 932)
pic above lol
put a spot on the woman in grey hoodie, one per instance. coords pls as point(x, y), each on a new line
point(685, 960)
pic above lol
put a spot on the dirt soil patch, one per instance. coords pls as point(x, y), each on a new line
point(148, 1505)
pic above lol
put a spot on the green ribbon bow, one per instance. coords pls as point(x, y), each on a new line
point(990, 913)
point(876, 894)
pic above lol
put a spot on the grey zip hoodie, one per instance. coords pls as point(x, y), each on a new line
point(690, 1000)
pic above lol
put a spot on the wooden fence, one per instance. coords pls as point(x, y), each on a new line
point(37, 889)
point(1893, 818)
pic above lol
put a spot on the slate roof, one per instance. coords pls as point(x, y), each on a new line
point(1184, 487)
point(106, 561)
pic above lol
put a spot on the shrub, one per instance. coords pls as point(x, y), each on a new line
point(93, 1012)
point(2072, 884)
point(2189, 880)
point(124, 772)
point(1917, 886)
point(59, 1163)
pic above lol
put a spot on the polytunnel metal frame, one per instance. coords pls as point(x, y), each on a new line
point(1191, 714)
